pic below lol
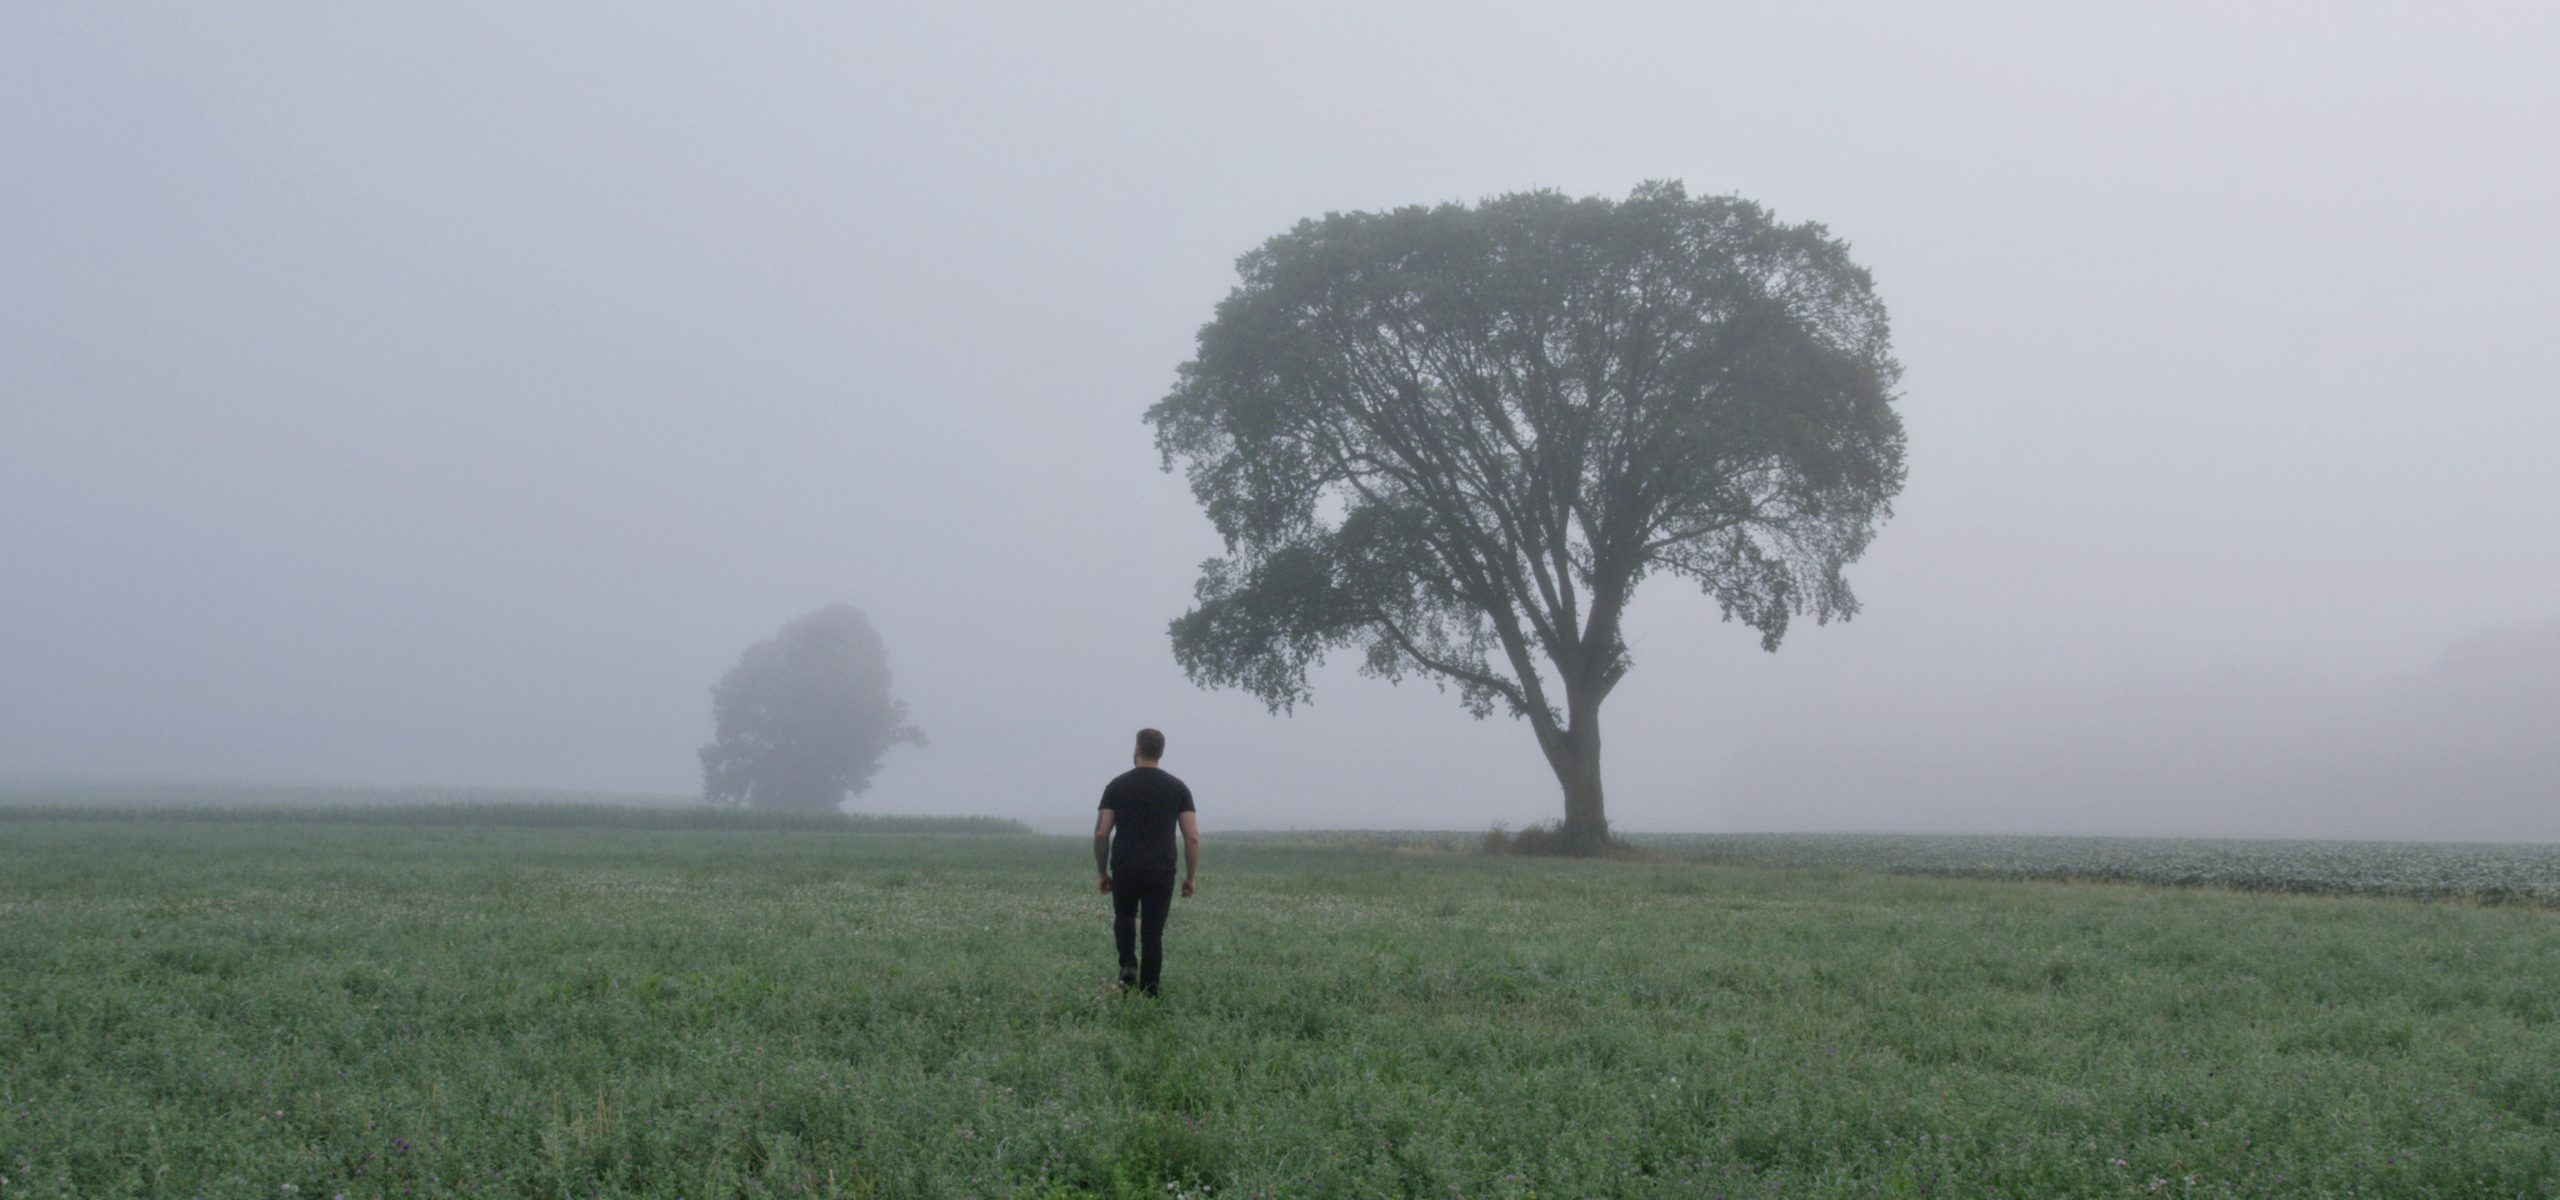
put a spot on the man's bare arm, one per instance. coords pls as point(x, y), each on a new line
point(1190, 850)
point(1102, 847)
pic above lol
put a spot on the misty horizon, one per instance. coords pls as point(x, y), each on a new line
point(446, 399)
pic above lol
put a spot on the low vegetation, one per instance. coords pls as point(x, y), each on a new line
point(2485, 872)
point(2481, 872)
point(296, 1007)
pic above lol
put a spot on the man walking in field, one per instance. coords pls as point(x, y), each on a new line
point(1133, 849)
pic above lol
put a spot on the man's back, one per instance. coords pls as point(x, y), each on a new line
point(1147, 804)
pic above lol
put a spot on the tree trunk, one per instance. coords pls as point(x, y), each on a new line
point(1575, 755)
point(1586, 825)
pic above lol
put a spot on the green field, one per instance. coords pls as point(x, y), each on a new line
point(271, 1005)
point(2480, 872)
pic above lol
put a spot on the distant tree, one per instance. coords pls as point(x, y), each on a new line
point(804, 717)
point(1457, 438)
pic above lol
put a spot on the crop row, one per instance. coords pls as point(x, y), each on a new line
point(2497, 873)
point(2488, 872)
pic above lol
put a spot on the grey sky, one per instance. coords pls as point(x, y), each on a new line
point(449, 395)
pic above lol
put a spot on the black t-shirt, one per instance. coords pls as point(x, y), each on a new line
point(1146, 803)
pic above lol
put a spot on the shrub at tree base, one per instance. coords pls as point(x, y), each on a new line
point(1551, 838)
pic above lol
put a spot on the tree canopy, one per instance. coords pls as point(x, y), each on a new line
point(804, 717)
point(1455, 438)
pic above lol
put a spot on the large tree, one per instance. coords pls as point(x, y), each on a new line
point(1456, 439)
point(804, 717)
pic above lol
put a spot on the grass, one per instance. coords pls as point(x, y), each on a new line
point(312, 1008)
point(2477, 872)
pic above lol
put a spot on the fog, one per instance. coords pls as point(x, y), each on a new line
point(448, 396)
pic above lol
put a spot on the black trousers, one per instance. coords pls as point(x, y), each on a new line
point(1139, 905)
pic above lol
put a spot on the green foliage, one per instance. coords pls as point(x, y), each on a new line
point(223, 1009)
point(1455, 439)
point(2490, 872)
point(1549, 838)
point(2483, 872)
point(804, 717)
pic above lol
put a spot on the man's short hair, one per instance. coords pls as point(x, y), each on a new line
point(1150, 744)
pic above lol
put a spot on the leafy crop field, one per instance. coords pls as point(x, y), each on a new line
point(2484, 872)
point(277, 1006)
